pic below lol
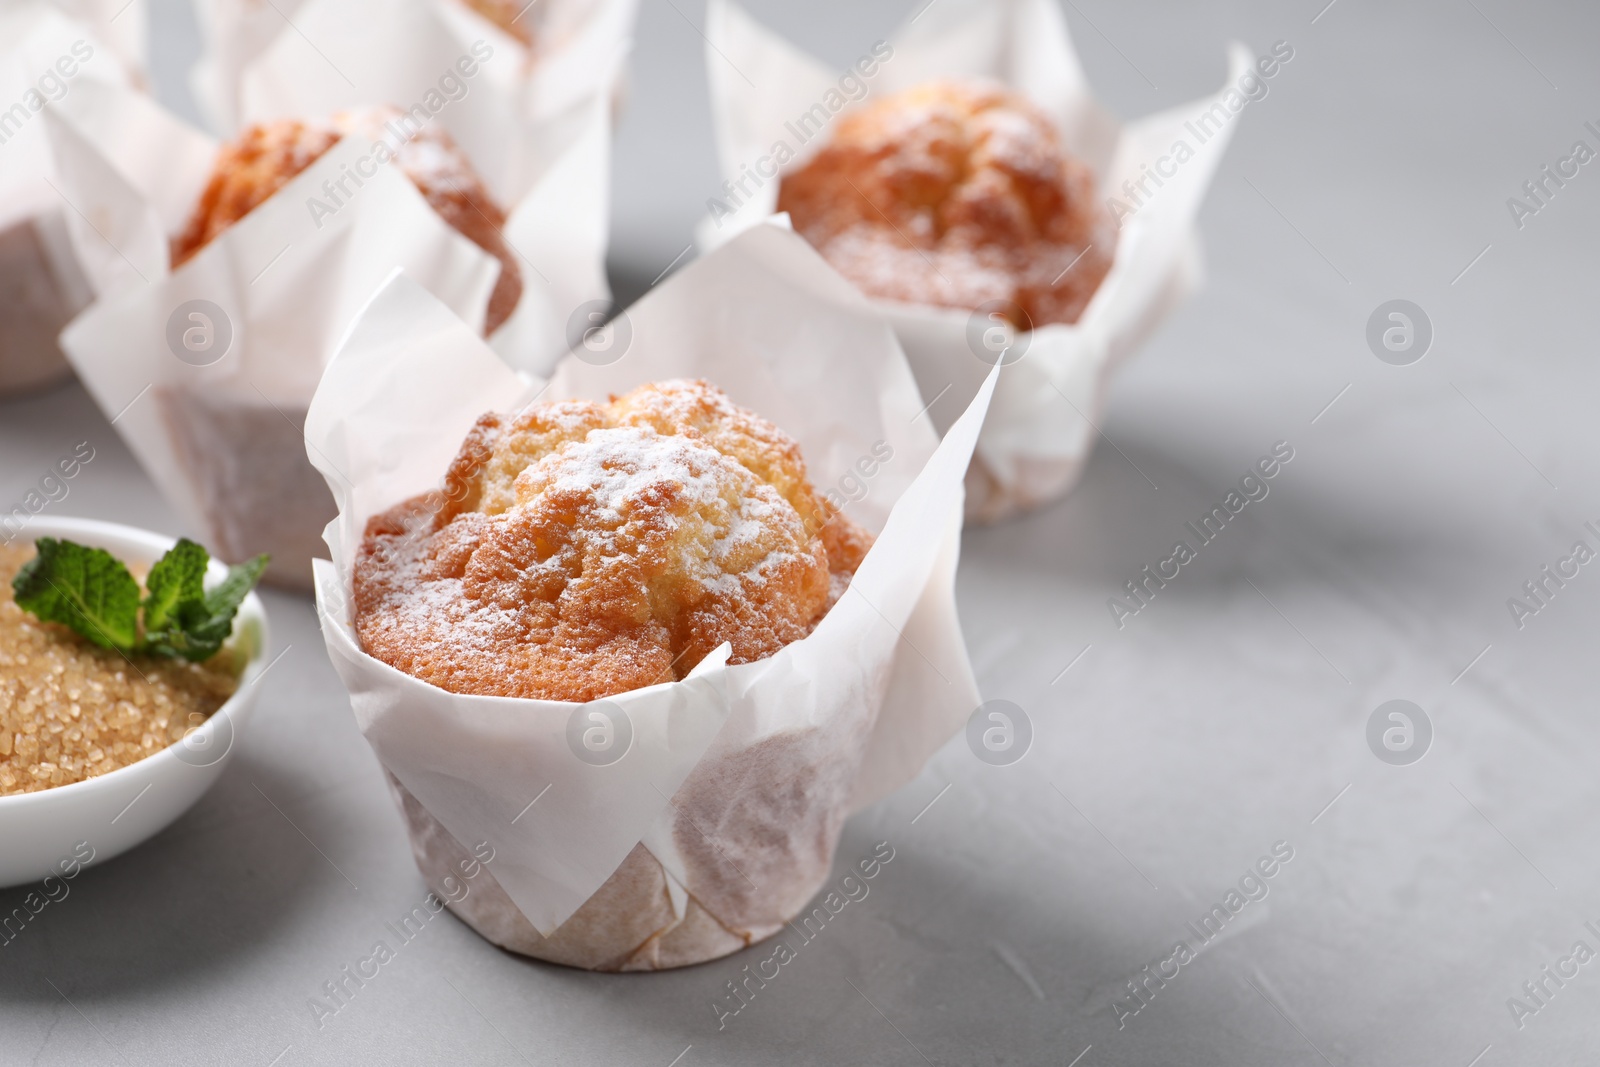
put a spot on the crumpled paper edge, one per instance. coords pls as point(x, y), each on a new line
point(39, 273)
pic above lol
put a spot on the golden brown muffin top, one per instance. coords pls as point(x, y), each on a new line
point(267, 156)
point(581, 550)
point(956, 193)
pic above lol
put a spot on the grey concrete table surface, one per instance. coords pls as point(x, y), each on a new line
point(1169, 755)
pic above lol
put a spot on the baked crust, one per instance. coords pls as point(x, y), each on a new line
point(957, 194)
point(580, 550)
point(267, 156)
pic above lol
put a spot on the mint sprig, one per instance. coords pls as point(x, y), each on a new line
point(93, 593)
point(86, 589)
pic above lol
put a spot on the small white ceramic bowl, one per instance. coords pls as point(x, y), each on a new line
point(46, 832)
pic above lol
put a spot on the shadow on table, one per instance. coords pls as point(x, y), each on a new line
point(936, 947)
point(1318, 520)
point(197, 898)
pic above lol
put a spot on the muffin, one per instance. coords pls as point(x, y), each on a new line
point(580, 550)
point(267, 156)
point(956, 194)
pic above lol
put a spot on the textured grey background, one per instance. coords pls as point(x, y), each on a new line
point(1223, 718)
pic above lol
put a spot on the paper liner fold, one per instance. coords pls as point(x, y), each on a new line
point(124, 25)
point(40, 289)
point(719, 821)
point(47, 51)
point(1041, 426)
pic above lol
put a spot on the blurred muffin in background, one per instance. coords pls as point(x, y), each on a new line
point(956, 194)
point(267, 156)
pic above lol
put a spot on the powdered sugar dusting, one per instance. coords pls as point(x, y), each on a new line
point(613, 554)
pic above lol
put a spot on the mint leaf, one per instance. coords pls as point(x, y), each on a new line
point(225, 599)
point(177, 578)
point(203, 624)
point(92, 592)
point(86, 589)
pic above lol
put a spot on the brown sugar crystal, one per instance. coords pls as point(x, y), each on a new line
point(71, 711)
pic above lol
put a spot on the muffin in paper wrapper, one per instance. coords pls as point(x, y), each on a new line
point(47, 50)
point(523, 114)
point(207, 370)
point(718, 820)
point(1042, 424)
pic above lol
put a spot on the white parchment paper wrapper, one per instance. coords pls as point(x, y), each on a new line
point(217, 421)
point(122, 25)
point(1041, 425)
point(46, 51)
point(536, 124)
point(719, 822)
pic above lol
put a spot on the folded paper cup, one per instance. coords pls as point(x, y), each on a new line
point(1043, 421)
point(40, 289)
point(680, 822)
point(535, 121)
point(124, 25)
point(48, 50)
point(207, 371)
point(556, 53)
